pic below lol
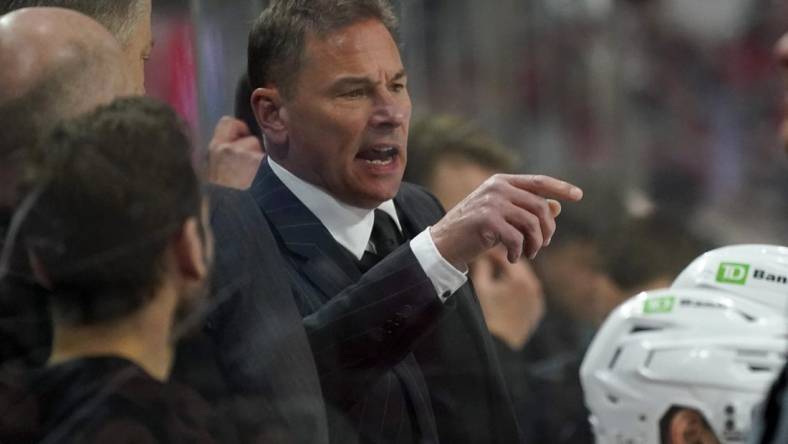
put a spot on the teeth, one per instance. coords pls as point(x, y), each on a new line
point(379, 155)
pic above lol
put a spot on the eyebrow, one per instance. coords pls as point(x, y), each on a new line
point(363, 80)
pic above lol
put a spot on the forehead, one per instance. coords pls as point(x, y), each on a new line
point(357, 49)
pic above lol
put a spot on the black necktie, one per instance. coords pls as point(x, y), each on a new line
point(385, 238)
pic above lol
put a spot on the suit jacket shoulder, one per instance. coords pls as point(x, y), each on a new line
point(254, 330)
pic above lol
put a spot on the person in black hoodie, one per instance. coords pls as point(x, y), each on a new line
point(51, 58)
point(117, 233)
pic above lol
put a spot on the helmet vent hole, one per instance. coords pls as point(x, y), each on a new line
point(612, 399)
point(644, 328)
point(747, 317)
point(648, 359)
point(614, 359)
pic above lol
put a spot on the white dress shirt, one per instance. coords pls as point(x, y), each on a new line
point(351, 227)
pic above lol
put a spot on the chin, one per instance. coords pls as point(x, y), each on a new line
point(372, 200)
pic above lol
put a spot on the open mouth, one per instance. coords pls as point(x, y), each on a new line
point(382, 155)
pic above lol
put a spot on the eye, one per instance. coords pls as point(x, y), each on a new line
point(398, 87)
point(354, 93)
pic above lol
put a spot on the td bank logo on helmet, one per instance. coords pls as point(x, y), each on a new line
point(733, 273)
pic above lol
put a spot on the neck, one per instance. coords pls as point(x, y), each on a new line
point(142, 337)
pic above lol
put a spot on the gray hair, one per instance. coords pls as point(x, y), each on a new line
point(120, 17)
point(276, 42)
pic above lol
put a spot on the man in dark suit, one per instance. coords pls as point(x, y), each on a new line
point(399, 341)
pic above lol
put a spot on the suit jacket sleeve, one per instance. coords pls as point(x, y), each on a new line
point(372, 325)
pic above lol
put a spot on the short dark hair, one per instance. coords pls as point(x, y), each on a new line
point(243, 106)
point(443, 137)
point(277, 39)
point(657, 245)
point(118, 16)
point(115, 184)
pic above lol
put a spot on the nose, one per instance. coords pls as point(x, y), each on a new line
point(391, 110)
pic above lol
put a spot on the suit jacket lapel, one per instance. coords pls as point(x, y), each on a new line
point(325, 262)
point(413, 214)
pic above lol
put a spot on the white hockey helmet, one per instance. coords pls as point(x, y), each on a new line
point(705, 349)
point(756, 272)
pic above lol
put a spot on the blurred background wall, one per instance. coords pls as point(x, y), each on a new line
point(676, 100)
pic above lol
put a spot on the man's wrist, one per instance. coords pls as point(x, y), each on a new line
point(445, 277)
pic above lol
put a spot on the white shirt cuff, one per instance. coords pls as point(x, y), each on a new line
point(444, 277)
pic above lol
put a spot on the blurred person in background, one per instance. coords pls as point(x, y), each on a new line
point(232, 149)
point(51, 58)
point(451, 157)
point(236, 149)
point(648, 253)
point(128, 20)
point(772, 427)
point(574, 280)
point(591, 268)
point(119, 236)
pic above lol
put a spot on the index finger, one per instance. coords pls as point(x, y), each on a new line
point(546, 186)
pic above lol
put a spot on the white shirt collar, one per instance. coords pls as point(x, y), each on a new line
point(348, 225)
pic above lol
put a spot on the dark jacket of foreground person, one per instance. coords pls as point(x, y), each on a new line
point(99, 400)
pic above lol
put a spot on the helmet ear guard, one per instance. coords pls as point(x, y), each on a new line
point(707, 343)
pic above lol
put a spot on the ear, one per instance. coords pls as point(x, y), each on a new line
point(271, 114)
point(189, 251)
point(686, 427)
